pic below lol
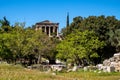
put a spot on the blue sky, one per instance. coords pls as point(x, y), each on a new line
point(32, 11)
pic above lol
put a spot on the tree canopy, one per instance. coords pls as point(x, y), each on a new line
point(85, 41)
point(105, 27)
point(79, 46)
point(26, 45)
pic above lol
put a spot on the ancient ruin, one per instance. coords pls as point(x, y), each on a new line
point(48, 27)
point(112, 64)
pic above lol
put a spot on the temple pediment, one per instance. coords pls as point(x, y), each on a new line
point(47, 22)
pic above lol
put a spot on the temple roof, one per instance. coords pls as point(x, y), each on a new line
point(47, 22)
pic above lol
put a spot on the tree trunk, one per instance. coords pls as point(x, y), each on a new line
point(30, 62)
point(39, 59)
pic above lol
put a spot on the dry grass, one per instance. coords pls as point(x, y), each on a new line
point(12, 72)
point(92, 76)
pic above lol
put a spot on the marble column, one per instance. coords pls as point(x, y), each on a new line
point(45, 29)
point(37, 27)
point(53, 29)
point(49, 32)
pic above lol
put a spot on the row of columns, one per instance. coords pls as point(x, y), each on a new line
point(53, 30)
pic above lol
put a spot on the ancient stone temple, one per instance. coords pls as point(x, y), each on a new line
point(48, 27)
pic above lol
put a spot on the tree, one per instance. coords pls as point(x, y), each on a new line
point(5, 53)
point(79, 46)
point(67, 23)
point(4, 22)
point(36, 44)
point(104, 28)
point(50, 50)
point(40, 45)
point(74, 25)
point(5, 25)
point(115, 39)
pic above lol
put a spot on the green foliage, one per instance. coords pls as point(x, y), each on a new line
point(5, 25)
point(115, 39)
point(25, 44)
point(96, 37)
point(79, 45)
point(105, 27)
point(4, 22)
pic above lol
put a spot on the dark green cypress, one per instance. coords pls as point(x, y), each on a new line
point(67, 20)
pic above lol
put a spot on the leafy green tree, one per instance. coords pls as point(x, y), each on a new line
point(104, 27)
point(79, 46)
point(115, 39)
point(5, 52)
point(40, 45)
point(50, 50)
point(74, 25)
point(36, 44)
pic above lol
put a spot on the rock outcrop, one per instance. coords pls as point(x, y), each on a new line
point(110, 65)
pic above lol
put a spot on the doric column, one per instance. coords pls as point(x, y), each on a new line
point(49, 32)
point(53, 29)
point(45, 29)
point(40, 28)
point(36, 28)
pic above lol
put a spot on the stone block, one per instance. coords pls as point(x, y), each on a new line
point(110, 68)
point(85, 69)
point(75, 68)
point(99, 66)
